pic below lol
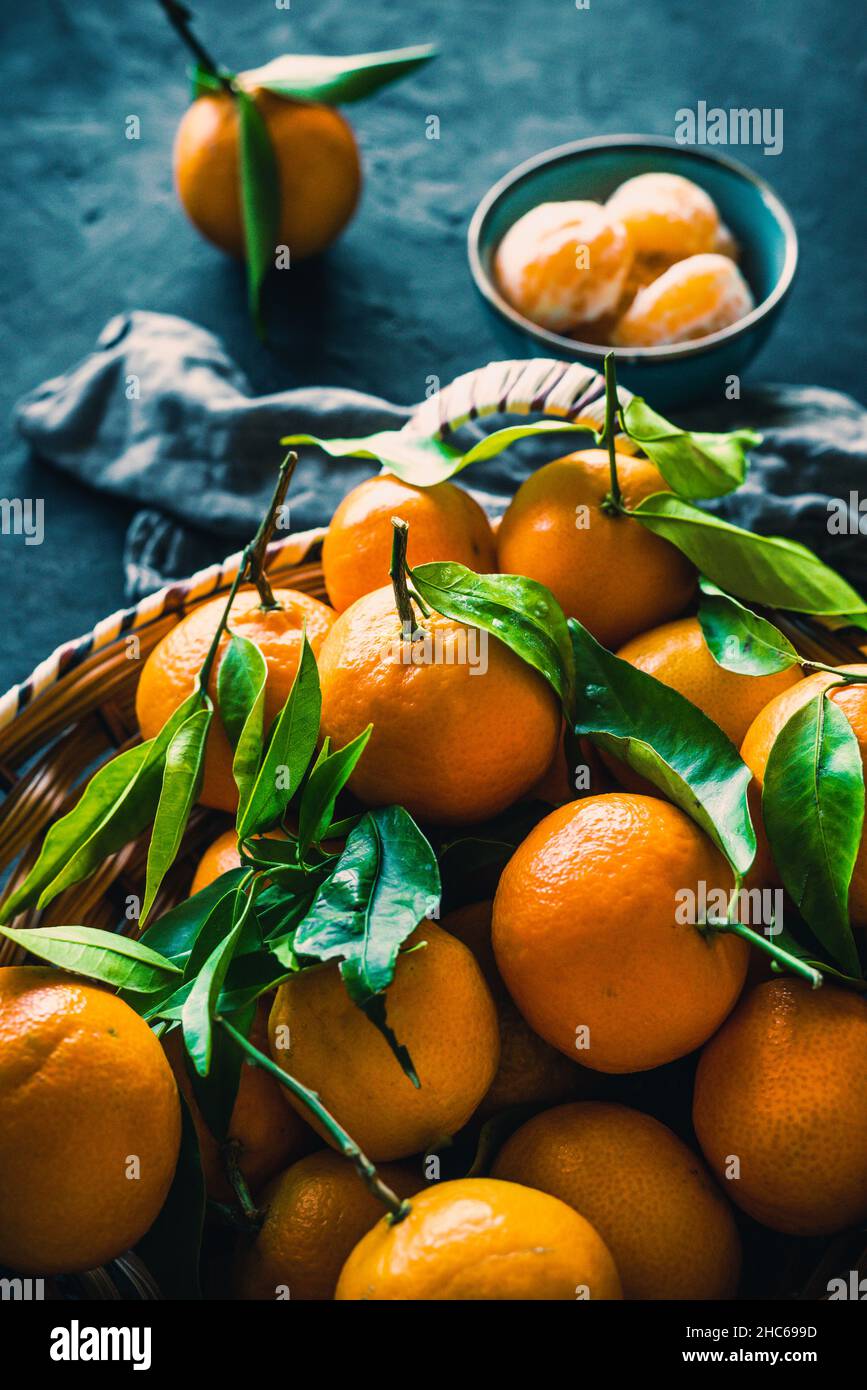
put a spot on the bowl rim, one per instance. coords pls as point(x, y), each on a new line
point(670, 352)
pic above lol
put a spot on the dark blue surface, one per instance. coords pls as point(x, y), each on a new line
point(91, 224)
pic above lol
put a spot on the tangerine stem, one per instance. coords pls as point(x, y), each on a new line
point(779, 954)
point(346, 1144)
point(230, 1153)
point(250, 557)
point(615, 497)
point(397, 571)
point(179, 17)
point(259, 544)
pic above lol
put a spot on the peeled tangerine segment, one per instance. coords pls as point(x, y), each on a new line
point(666, 215)
point(693, 298)
point(562, 264)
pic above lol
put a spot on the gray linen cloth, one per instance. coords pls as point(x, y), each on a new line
point(160, 415)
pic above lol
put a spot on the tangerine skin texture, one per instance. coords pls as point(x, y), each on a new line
point(445, 523)
point(480, 1239)
point(450, 746)
point(439, 1008)
point(172, 668)
point(268, 1132)
point(317, 161)
point(761, 736)
point(666, 215)
point(84, 1086)
point(585, 933)
point(563, 264)
point(651, 1199)
point(531, 1072)
point(219, 858)
point(608, 572)
point(677, 654)
point(691, 299)
point(783, 1087)
point(315, 1214)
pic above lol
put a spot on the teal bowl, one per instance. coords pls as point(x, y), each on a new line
point(665, 376)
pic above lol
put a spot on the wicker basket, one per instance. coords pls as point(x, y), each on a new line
point(77, 710)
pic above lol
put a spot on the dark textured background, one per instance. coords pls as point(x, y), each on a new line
point(91, 224)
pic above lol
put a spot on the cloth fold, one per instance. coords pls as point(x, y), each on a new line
point(160, 415)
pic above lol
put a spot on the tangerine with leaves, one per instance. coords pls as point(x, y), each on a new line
point(171, 671)
point(90, 1123)
point(606, 570)
point(438, 1007)
point(445, 523)
point(651, 1199)
point(318, 169)
point(780, 1106)
point(481, 1239)
point(587, 939)
point(315, 1213)
point(454, 740)
point(767, 725)
point(677, 654)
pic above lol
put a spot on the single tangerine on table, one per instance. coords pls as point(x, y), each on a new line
point(171, 670)
point(588, 940)
point(780, 1106)
point(90, 1124)
point(763, 733)
point(607, 571)
point(317, 162)
point(481, 1239)
point(671, 1232)
point(454, 740)
point(445, 523)
point(694, 297)
point(438, 1007)
point(315, 1213)
point(564, 264)
point(266, 1133)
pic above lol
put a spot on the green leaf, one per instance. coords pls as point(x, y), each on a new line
point(385, 883)
point(323, 787)
point(116, 805)
point(289, 751)
point(761, 569)
point(215, 927)
point(813, 809)
point(171, 1248)
point(695, 465)
point(418, 459)
point(98, 955)
point(182, 779)
point(336, 80)
point(175, 933)
point(241, 682)
point(522, 613)
point(668, 740)
point(260, 199)
point(198, 1011)
point(740, 640)
point(203, 82)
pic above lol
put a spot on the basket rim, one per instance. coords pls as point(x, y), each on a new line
point(172, 597)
